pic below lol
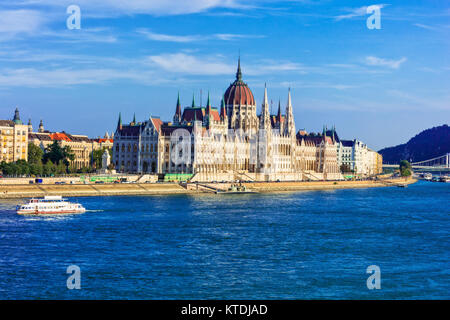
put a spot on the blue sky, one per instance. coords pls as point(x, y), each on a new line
point(381, 86)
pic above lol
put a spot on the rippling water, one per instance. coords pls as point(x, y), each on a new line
point(303, 245)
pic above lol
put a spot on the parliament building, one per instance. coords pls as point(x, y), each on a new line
point(228, 143)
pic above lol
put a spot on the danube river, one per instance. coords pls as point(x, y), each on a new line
point(303, 245)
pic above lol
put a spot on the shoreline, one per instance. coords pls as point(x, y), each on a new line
point(135, 189)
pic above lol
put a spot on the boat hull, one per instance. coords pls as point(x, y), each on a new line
point(40, 213)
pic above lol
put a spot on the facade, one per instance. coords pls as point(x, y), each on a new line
point(106, 142)
point(80, 145)
point(359, 158)
point(226, 143)
point(13, 139)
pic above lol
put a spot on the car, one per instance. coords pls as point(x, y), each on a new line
point(99, 182)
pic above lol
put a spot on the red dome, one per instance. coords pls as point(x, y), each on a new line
point(238, 93)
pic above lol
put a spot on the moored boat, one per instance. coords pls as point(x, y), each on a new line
point(49, 205)
point(235, 189)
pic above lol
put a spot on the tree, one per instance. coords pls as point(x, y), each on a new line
point(345, 168)
point(97, 156)
point(57, 154)
point(49, 168)
point(35, 154)
point(405, 168)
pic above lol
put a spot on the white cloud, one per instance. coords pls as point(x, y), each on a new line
point(189, 64)
point(192, 38)
point(356, 12)
point(153, 7)
point(423, 26)
point(393, 64)
point(13, 22)
point(169, 38)
point(31, 77)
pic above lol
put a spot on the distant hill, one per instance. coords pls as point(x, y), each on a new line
point(428, 144)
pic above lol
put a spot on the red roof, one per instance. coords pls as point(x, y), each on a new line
point(238, 93)
point(190, 114)
point(157, 122)
point(101, 140)
point(59, 136)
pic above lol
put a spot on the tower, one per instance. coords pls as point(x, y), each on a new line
point(16, 118)
point(30, 126)
point(240, 104)
point(177, 116)
point(289, 124)
point(264, 119)
point(41, 127)
point(119, 122)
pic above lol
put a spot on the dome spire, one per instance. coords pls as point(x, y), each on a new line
point(177, 116)
point(239, 73)
point(16, 118)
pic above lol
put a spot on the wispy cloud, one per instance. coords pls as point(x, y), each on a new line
point(189, 64)
point(393, 64)
point(152, 7)
point(192, 38)
point(356, 12)
point(424, 26)
point(14, 22)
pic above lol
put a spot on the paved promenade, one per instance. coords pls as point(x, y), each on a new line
point(81, 190)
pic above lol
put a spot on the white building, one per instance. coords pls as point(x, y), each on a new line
point(233, 143)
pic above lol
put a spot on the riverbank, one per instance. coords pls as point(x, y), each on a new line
point(83, 190)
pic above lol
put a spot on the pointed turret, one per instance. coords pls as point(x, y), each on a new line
point(134, 119)
point(30, 126)
point(177, 116)
point(238, 72)
point(264, 121)
point(16, 118)
point(289, 125)
point(279, 111)
point(193, 101)
point(209, 111)
point(41, 127)
point(223, 110)
point(119, 122)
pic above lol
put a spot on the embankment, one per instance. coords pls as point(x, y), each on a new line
point(81, 190)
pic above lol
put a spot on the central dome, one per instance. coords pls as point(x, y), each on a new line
point(238, 93)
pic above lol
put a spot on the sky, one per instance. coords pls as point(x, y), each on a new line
point(381, 86)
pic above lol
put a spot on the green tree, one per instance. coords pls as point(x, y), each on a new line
point(97, 157)
point(57, 154)
point(49, 168)
point(35, 154)
point(345, 168)
point(405, 168)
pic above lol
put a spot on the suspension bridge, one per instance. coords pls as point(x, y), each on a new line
point(441, 163)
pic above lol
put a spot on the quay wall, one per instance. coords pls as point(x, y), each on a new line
point(81, 190)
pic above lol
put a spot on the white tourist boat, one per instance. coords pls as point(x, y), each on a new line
point(50, 205)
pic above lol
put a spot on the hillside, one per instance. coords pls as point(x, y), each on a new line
point(426, 145)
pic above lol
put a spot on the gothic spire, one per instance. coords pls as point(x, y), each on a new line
point(16, 118)
point(223, 111)
point(193, 100)
point(208, 103)
point(177, 116)
point(265, 115)
point(279, 111)
point(239, 73)
point(289, 124)
point(119, 123)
